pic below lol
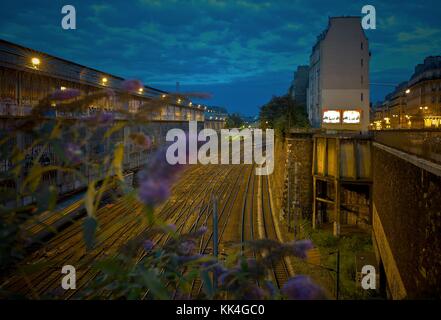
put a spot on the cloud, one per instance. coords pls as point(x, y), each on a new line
point(227, 47)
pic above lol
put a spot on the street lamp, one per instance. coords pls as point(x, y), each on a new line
point(35, 62)
point(407, 91)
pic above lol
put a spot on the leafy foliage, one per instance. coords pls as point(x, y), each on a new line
point(234, 121)
point(282, 113)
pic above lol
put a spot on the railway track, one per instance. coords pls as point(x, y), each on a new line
point(280, 272)
point(226, 204)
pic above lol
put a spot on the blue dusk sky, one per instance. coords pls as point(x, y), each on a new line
point(242, 52)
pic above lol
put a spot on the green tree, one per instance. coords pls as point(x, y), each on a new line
point(234, 121)
point(282, 113)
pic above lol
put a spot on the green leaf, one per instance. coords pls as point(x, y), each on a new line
point(152, 282)
point(89, 230)
point(47, 199)
point(207, 284)
point(89, 199)
point(117, 161)
point(35, 176)
point(114, 129)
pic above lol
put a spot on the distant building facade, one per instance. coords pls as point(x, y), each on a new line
point(215, 118)
point(416, 103)
point(28, 77)
point(338, 88)
point(299, 85)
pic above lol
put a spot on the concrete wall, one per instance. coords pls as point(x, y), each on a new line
point(407, 226)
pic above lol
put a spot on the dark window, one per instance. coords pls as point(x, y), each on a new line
point(361, 62)
point(362, 96)
point(361, 45)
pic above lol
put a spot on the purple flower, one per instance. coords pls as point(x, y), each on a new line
point(153, 191)
point(102, 118)
point(73, 152)
point(186, 247)
point(201, 230)
point(131, 85)
point(148, 245)
point(254, 292)
point(189, 258)
point(270, 287)
point(141, 140)
point(161, 169)
point(303, 288)
point(170, 228)
point(65, 94)
point(300, 248)
point(155, 182)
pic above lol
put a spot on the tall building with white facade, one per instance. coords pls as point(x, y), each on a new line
point(338, 90)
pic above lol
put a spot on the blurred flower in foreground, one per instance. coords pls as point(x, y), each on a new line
point(148, 245)
point(65, 94)
point(254, 292)
point(73, 152)
point(303, 288)
point(156, 181)
point(153, 191)
point(102, 118)
point(186, 247)
point(141, 140)
point(300, 248)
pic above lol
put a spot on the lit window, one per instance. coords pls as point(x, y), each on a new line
point(331, 116)
point(351, 116)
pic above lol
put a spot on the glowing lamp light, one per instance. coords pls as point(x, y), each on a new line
point(104, 80)
point(190, 104)
point(62, 88)
point(407, 91)
point(35, 62)
point(179, 100)
point(141, 90)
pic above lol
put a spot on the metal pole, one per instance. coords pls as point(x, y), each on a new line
point(337, 291)
point(215, 228)
point(289, 195)
point(215, 237)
